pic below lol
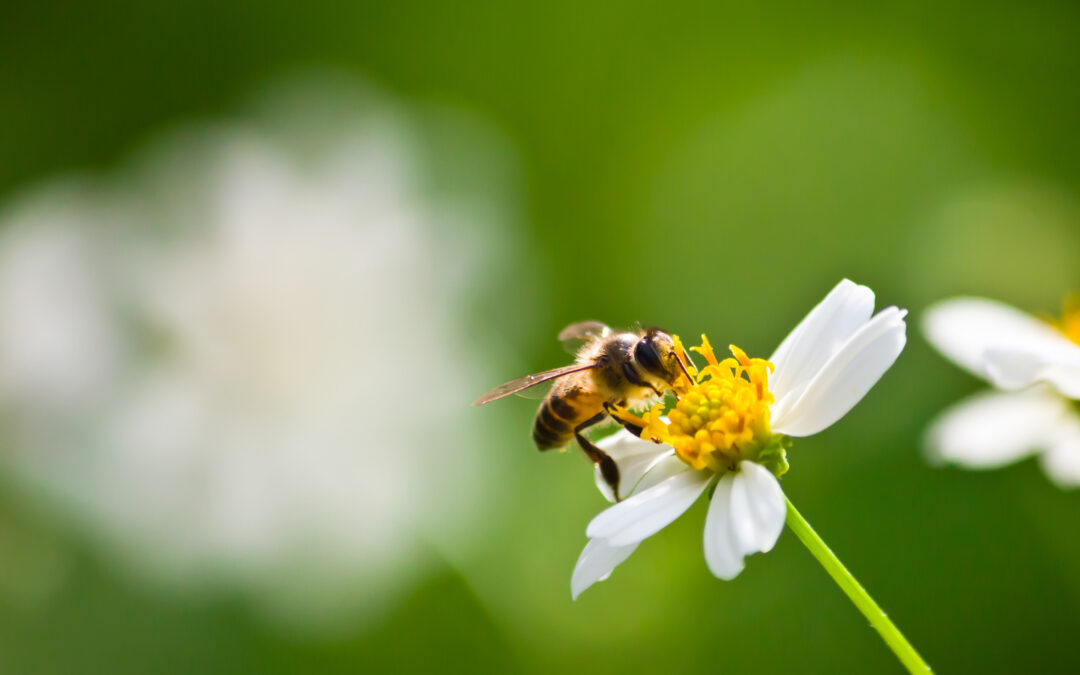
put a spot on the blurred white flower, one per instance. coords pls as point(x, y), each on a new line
point(1037, 367)
point(196, 357)
point(728, 432)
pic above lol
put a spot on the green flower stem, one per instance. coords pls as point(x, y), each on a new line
point(881, 623)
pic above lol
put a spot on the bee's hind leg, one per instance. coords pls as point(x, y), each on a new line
point(608, 469)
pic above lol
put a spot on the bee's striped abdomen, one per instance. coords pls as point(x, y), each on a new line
point(556, 419)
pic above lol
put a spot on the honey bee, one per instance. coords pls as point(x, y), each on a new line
point(612, 370)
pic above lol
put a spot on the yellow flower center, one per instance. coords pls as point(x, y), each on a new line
point(1070, 319)
point(722, 413)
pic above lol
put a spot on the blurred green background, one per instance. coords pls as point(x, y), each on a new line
point(700, 166)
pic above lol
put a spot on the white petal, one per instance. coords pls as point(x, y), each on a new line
point(757, 508)
point(662, 468)
point(722, 553)
point(649, 511)
point(992, 429)
point(596, 564)
point(746, 515)
point(1019, 365)
point(623, 445)
point(645, 472)
point(828, 326)
point(632, 455)
point(963, 329)
point(1061, 461)
point(846, 377)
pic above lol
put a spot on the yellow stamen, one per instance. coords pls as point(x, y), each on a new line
point(705, 350)
point(680, 352)
point(720, 418)
point(1070, 318)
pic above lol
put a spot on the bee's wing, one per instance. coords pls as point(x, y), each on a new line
point(514, 386)
point(537, 392)
point(576, 334)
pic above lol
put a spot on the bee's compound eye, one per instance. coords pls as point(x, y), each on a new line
point(648, 357)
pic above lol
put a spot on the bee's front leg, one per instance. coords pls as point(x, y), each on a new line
point(609, 470)
point(613, 410)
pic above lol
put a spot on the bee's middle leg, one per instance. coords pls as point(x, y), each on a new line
point(608, 469)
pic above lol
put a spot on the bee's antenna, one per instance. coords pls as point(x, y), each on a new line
point(690, 359)
point(683, 366)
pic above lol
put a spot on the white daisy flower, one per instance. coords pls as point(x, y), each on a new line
point(1034, 364)
point(729, 432)
point(194, 353)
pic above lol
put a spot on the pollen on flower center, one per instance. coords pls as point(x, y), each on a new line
point(1070, 319)
point(722, 416)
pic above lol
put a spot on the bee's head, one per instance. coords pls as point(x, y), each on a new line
point(655, 352)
